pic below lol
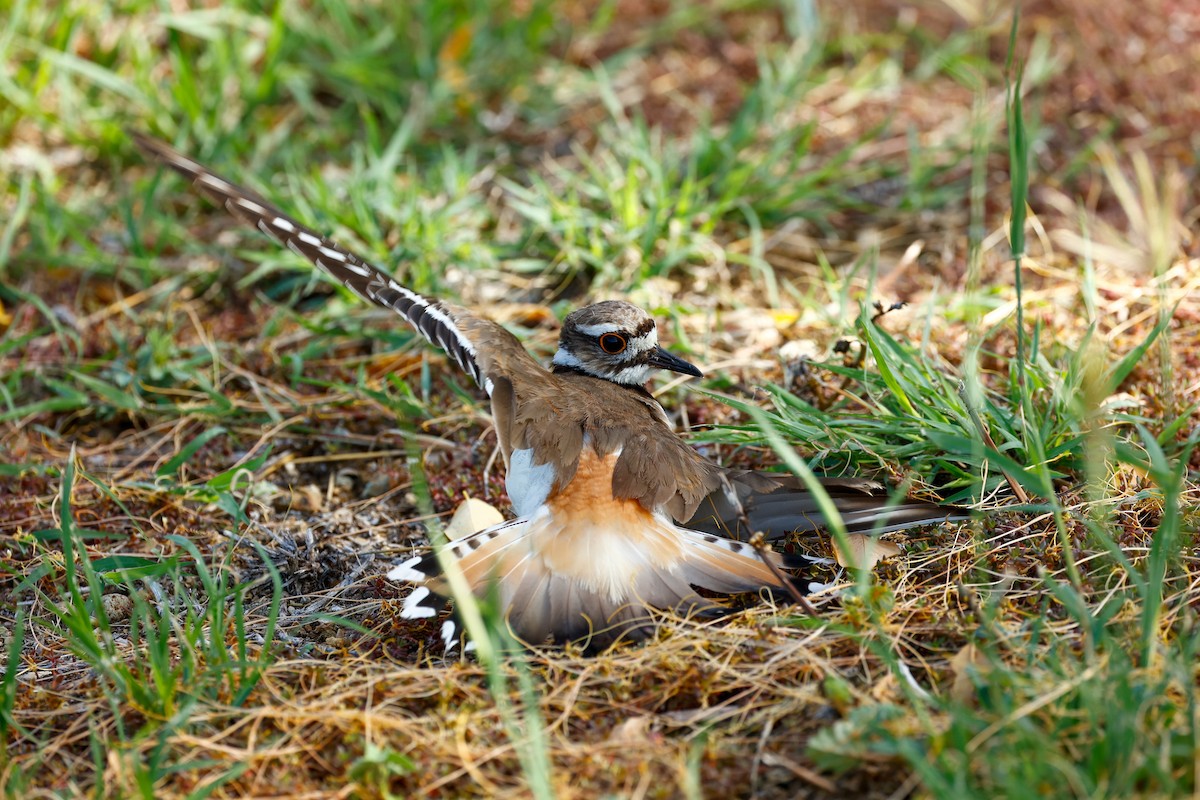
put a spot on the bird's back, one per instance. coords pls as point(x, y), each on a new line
point(553, 421)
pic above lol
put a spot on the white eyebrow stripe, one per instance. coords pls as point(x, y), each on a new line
point(599, 328)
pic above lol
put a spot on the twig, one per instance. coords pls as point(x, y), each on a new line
point(758, 542)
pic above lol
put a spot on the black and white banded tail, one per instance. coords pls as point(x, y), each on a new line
point(431, 318)
point(516, 559)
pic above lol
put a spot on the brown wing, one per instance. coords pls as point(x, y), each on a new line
point(661, 470)
point(482, 348)
point(654, 466)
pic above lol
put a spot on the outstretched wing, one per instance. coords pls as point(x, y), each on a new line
point(747, 502)
point(462, 334)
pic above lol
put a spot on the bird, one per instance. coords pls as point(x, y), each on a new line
point(617, 516)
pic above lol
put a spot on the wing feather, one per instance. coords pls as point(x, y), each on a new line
point(460, 333)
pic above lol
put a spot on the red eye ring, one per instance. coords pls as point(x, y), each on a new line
point(612, 343)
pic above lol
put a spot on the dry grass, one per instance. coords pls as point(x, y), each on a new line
point(975, 646)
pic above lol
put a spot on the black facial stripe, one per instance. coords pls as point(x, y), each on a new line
point(562, 369)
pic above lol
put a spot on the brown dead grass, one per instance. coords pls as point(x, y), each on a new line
point(744, 695)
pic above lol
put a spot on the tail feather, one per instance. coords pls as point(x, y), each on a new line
point(723, 565)
point(666, 590)
point(580, 617)
point(531, 605)
point(546, 592)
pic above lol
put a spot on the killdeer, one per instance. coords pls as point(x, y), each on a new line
point(616, 514)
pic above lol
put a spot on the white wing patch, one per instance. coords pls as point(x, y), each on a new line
point(224, 187)
point(449, 629)
point(357, 269)
point(269, 231)
point(528, 484)
point(463, 341)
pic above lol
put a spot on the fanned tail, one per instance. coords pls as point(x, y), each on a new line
point(594, 586)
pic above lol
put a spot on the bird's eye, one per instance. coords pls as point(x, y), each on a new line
point(612, 343)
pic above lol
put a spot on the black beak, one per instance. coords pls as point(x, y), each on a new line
point(664, 359)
